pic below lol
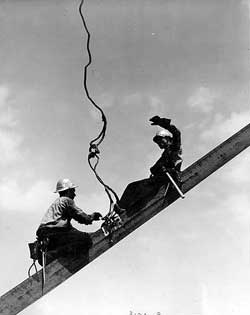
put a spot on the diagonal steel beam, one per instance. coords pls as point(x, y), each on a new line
point(30, 290)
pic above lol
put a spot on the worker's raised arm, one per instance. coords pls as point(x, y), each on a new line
point(166, 124)
point(176, 145)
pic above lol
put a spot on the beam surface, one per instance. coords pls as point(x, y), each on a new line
point(30, 290)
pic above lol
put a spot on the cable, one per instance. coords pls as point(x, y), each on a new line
point(93, 145)
point(33, 265)
point(101, 135)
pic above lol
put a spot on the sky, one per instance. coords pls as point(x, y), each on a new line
point(185, 60)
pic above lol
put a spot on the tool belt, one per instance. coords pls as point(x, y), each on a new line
point(37, 247)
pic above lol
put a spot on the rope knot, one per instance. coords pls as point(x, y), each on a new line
point(93, 150)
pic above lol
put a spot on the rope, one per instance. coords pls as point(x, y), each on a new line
point(93, 145)
point(101, 135)
point(33, 265)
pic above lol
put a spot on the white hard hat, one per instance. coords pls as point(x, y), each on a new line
point(164, 133)
point(64, 184)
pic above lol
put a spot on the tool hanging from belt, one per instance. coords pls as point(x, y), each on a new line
point(44, 249)
point(172, 181)
point(37, 248)
point(175, 185)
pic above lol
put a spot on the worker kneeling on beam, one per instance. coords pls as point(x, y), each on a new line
point(62, 239)
point(165, 170)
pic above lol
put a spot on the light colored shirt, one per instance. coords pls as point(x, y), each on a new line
point(60, 213)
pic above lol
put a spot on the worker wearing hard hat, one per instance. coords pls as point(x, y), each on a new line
point(138, 193)
point(64, 239)
point(168, 139)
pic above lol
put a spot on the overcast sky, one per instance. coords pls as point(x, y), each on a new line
point(186, 60)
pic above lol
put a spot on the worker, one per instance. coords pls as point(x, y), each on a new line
point(63, 238)
point(138, 193)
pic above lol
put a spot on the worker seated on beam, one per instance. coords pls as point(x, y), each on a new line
point(137, 194)
point(63, 238)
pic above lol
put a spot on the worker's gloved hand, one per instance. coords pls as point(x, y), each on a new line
point(155, 120)
point(96, 216)
point(158, 121)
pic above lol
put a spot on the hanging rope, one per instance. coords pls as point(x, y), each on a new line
point(94, 144)
point(30, 268)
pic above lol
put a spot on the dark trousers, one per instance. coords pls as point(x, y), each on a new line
point(137, 194)
point(63, 242)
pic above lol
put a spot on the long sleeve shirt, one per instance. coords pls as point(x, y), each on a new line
point(61, 212)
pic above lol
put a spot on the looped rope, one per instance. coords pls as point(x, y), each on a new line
point(93, 145)
point(30, 268)
point(93, 151)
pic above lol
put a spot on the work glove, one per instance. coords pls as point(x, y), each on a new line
point(158, 121)
point(96, 216)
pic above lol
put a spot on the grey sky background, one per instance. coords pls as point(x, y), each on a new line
point(187, 60)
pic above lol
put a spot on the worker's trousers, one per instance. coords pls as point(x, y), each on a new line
point(65, 242)
point(137, 194)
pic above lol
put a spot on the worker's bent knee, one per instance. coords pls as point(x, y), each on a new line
point(87, 240)
point(84, 241)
